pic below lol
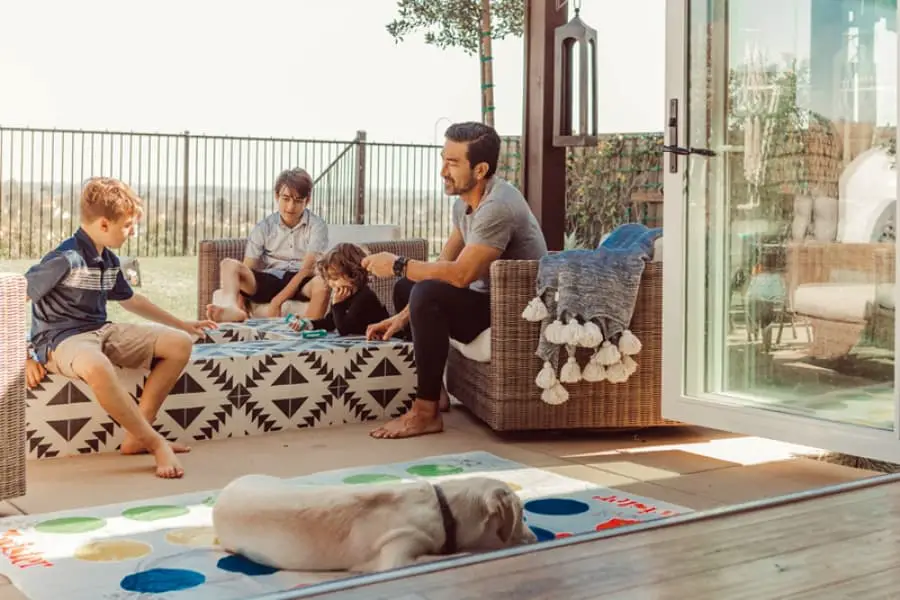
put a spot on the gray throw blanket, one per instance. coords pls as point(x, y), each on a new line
point(586, 298)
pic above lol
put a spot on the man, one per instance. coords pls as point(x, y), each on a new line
point(279, 262)
point(451, 297)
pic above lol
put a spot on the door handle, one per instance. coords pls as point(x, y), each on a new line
point(682, 151)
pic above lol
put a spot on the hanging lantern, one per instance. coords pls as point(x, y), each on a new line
point(570, 85)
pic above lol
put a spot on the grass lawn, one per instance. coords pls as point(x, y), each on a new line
point(170, 282)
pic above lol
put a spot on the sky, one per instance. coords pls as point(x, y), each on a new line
point(311, 69)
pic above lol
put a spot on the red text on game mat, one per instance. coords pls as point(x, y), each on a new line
point(20, 552)
point(629, 503)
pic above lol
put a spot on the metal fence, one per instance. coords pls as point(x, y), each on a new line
point(198, 187)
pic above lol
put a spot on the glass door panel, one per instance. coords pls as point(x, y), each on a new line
point(789, 243)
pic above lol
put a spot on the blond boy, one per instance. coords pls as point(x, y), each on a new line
point(72, 336)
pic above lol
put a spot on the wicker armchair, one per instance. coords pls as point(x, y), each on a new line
point(213, 251)
point(13, 346)
point(503, 393)
point(834, 286)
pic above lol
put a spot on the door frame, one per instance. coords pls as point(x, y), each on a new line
point(719, 411)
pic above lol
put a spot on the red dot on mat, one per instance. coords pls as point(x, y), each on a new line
point(563, 535)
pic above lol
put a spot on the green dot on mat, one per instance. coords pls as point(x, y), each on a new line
point(433, 470)
point(211, 501)
point(70, 525)
point(371, 478)
point(154, 513)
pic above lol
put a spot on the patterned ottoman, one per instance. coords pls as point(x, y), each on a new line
point(244, 380)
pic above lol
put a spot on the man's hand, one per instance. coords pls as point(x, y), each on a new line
point(198, 327)
point(386, 329)
point(34, 373)
point(380, 264)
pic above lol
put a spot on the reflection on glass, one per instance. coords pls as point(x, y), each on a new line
point(799, 205)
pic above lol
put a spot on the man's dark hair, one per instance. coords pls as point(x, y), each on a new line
point(297, 180)
point(483, 143)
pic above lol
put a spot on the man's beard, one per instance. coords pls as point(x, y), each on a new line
point(453, 190)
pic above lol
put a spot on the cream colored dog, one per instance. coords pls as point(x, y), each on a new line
point(365, 527)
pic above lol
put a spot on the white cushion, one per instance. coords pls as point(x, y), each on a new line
point(834, 301)
point(478, 349)
point(362, 234)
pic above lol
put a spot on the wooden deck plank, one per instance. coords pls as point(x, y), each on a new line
point(830, 547)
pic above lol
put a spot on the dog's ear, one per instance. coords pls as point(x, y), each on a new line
point(503, 504)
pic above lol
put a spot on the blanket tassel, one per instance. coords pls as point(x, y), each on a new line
point(546, 377)
point(535, 311)
point(629, 344)
point(571, 372)
point(555, 395)
point(554, 332)
point(594, 371)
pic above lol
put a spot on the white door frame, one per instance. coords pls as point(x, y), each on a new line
point(682, 342)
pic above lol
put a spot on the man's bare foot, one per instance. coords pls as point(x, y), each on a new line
point(131, 446)
point(423, 418)
point(225, 314)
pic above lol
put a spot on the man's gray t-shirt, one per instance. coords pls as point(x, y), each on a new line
point(503, 221)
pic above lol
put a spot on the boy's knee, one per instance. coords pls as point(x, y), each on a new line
point(318, 287)
point(176, 345)
point(94, 368)
point(230, 265)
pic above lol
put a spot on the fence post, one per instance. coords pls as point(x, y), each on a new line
point(360, 179)
point(185, 198)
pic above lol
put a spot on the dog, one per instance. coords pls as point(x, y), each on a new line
point(365, 528)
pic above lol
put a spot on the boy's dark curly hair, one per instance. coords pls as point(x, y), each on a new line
point(344, 259)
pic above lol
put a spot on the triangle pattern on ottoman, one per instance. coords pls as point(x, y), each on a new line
point(68, 394)
point(68, 428)
point(289, 406)
point(384, 369)
point(235, 389)
point(184, 416)
point(186, 385)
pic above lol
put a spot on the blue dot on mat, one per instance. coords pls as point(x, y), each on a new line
point(160, 581)
point(542, 534)
point(556, 506)
point(235, 563)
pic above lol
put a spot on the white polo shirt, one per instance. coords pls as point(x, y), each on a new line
point(280, 248)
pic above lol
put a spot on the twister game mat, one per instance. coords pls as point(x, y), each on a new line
point(165, 548)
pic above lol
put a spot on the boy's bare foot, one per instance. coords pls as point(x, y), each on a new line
point(444, 402)
point(423, 418)
point(225, 314)
point(131, 446)
point(167, 464)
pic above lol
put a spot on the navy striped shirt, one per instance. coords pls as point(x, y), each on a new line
point(69, 289)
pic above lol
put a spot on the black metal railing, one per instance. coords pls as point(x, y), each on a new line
point(198, 187)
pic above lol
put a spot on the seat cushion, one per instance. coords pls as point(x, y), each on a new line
point(478, 349)
point(834, 301)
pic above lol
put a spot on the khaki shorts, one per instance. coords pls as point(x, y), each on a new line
point(126, 345)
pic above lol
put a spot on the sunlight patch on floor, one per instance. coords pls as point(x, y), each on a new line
point(744, 451)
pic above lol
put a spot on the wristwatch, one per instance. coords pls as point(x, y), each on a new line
point(400, 266)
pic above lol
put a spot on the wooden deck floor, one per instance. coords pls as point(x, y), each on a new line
point(844, 545)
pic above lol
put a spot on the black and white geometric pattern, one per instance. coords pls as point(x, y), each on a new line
point(247, 379)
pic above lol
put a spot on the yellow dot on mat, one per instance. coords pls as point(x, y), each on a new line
point(514, 486)
point(195, 537)
point(112, 550)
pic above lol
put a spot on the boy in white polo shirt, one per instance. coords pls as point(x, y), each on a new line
point(279, 261)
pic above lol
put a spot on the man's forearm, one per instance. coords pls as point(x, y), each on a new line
point(442, 270)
